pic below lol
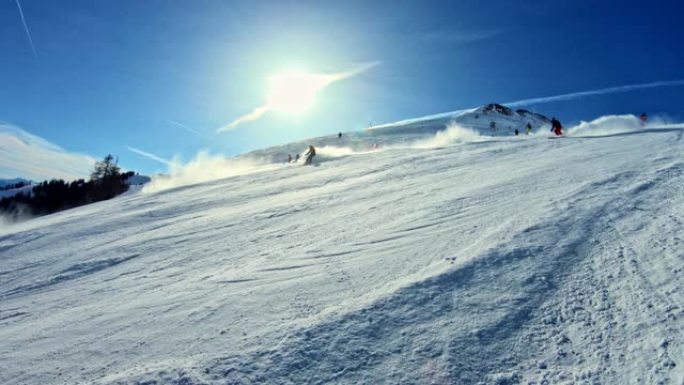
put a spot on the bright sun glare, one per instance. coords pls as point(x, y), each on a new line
point(294, 92)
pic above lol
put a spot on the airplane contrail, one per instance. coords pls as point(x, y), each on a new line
point(149, 155)
point(26, 28)
point(181, 125)
point(601, 91)
point(549, 99)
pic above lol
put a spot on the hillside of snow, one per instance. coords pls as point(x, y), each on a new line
point(6, 191)
point(436, 257)
point(491, 120)
point(476, 122)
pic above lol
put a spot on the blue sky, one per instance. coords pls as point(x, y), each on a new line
point(163, 76)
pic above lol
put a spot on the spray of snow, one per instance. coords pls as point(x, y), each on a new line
point(607, 125)
point(663, 121)
point(454, 133)
point(205, 167)
point(5, 223)
point(337, 152)
point(618, 124)
point(613, 125)
point(9, 222)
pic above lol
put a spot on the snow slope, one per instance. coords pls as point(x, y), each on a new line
point(505, 120)
point(474, 122)
point(497, 261)
point(14, 191)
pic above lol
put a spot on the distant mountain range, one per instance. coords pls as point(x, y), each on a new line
point(6, 182)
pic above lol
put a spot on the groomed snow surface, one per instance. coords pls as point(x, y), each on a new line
point(507, 260)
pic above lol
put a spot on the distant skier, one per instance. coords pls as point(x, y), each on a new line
point(339, 136)
point(296, 158)
point(289, 158)
point(492, 126)
point(310, 154)
point(516, 132)
point(643, 118)
point(528, 128)
point(556, 127)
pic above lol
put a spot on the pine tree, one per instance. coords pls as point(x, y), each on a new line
point(106, 180)
point(106, 168)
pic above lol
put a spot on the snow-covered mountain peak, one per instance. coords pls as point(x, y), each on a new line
point(496, 109)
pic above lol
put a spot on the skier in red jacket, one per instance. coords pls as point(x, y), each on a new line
point(556, 127)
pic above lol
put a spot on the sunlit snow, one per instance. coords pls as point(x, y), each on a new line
point(401, 256)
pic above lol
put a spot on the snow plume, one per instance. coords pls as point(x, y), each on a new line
point(663, 121)
point(336, 152)
point(5, 223)
point(20, 214)
point(204, 167)
point(326, 152)
point(453, 133)
point(607, 125)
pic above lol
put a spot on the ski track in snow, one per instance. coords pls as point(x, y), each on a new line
point(508, 261)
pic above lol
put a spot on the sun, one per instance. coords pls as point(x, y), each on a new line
point(293, 91)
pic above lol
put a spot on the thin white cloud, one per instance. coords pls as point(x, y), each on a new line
point(323, 80)
point(26, 28)
point(28, 156)
point(181, 125)
point(601, 91)
point(353, 72)
point(149, 155)
point(252, 116)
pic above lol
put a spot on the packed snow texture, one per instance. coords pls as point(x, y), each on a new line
point(498, 260)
